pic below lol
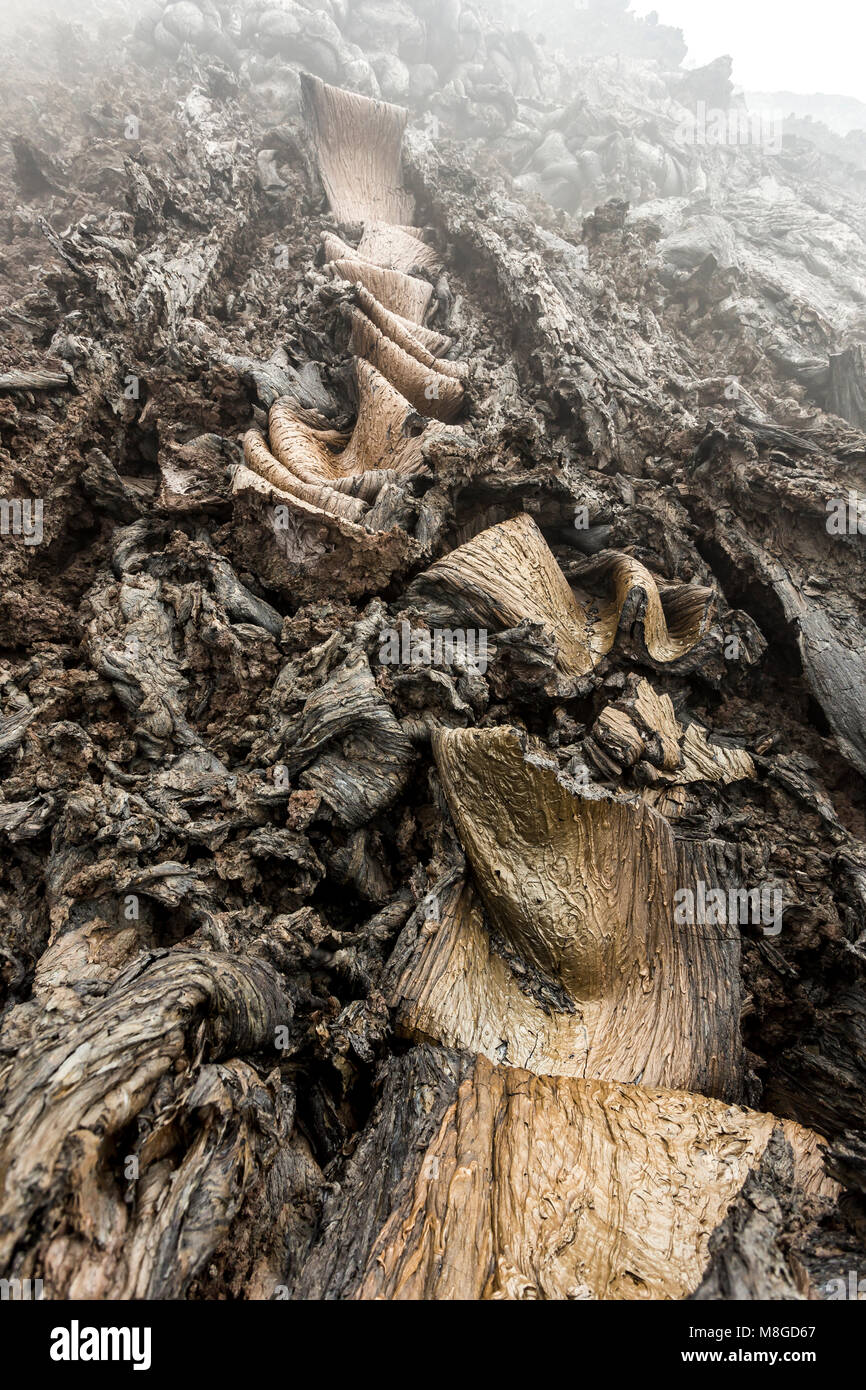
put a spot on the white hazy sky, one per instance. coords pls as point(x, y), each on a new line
point(778, 45)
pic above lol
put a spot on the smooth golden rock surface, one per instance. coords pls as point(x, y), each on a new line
point(508, 574)
point(358, 144)
point(596, 979)
point(514, 1186)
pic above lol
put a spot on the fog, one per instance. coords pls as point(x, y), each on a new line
point(778, 45)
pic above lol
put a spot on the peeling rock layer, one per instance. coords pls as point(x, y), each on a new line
point(474, 1191)
point(412, 593)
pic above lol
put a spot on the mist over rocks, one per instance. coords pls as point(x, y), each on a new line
point(509, 336)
